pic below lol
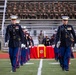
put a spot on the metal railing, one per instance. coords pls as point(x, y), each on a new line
point(3, 17)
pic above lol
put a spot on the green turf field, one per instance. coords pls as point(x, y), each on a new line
point(49, 67)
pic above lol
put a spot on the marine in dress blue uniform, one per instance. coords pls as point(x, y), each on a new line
point(14, 34)
point(19, 51)
point(23, 51)
point(28, 45)
point(64, 33)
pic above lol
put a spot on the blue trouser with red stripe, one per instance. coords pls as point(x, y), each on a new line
point(64, 56)
point(23, 56)
point(19, 58)
point(13, 54)
point(56, 51)
point(28, 54)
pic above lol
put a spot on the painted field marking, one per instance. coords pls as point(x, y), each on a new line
point(28, 63)
point(56, 63)
point(40, 67)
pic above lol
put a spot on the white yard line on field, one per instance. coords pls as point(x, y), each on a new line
point(56, 63)
point(40, 67)
point(28, 63)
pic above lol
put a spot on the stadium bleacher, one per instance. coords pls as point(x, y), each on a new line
point(1, 11)
point(41, 9)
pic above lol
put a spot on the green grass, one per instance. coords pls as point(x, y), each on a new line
point(47, 68)
point(55, 69)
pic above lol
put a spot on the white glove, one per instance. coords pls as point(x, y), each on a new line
point(58, 44)
point(22, 46)
point(6, 44)
point(53, 45)
point(72, 48)
point(75, 45)
point(29, 46)
point(25, 47)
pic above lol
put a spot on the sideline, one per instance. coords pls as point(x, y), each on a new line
point(40, 67)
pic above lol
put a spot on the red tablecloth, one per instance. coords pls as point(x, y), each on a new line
point(49, 52)
point(41, 52)
point(33, 52)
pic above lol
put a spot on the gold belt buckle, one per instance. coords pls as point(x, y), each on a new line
point(19, 39)
point(66, 36)
point(14, 37)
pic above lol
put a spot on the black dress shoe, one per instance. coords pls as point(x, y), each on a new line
point(63, 68)
point(14, 70)
point(17, 66)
